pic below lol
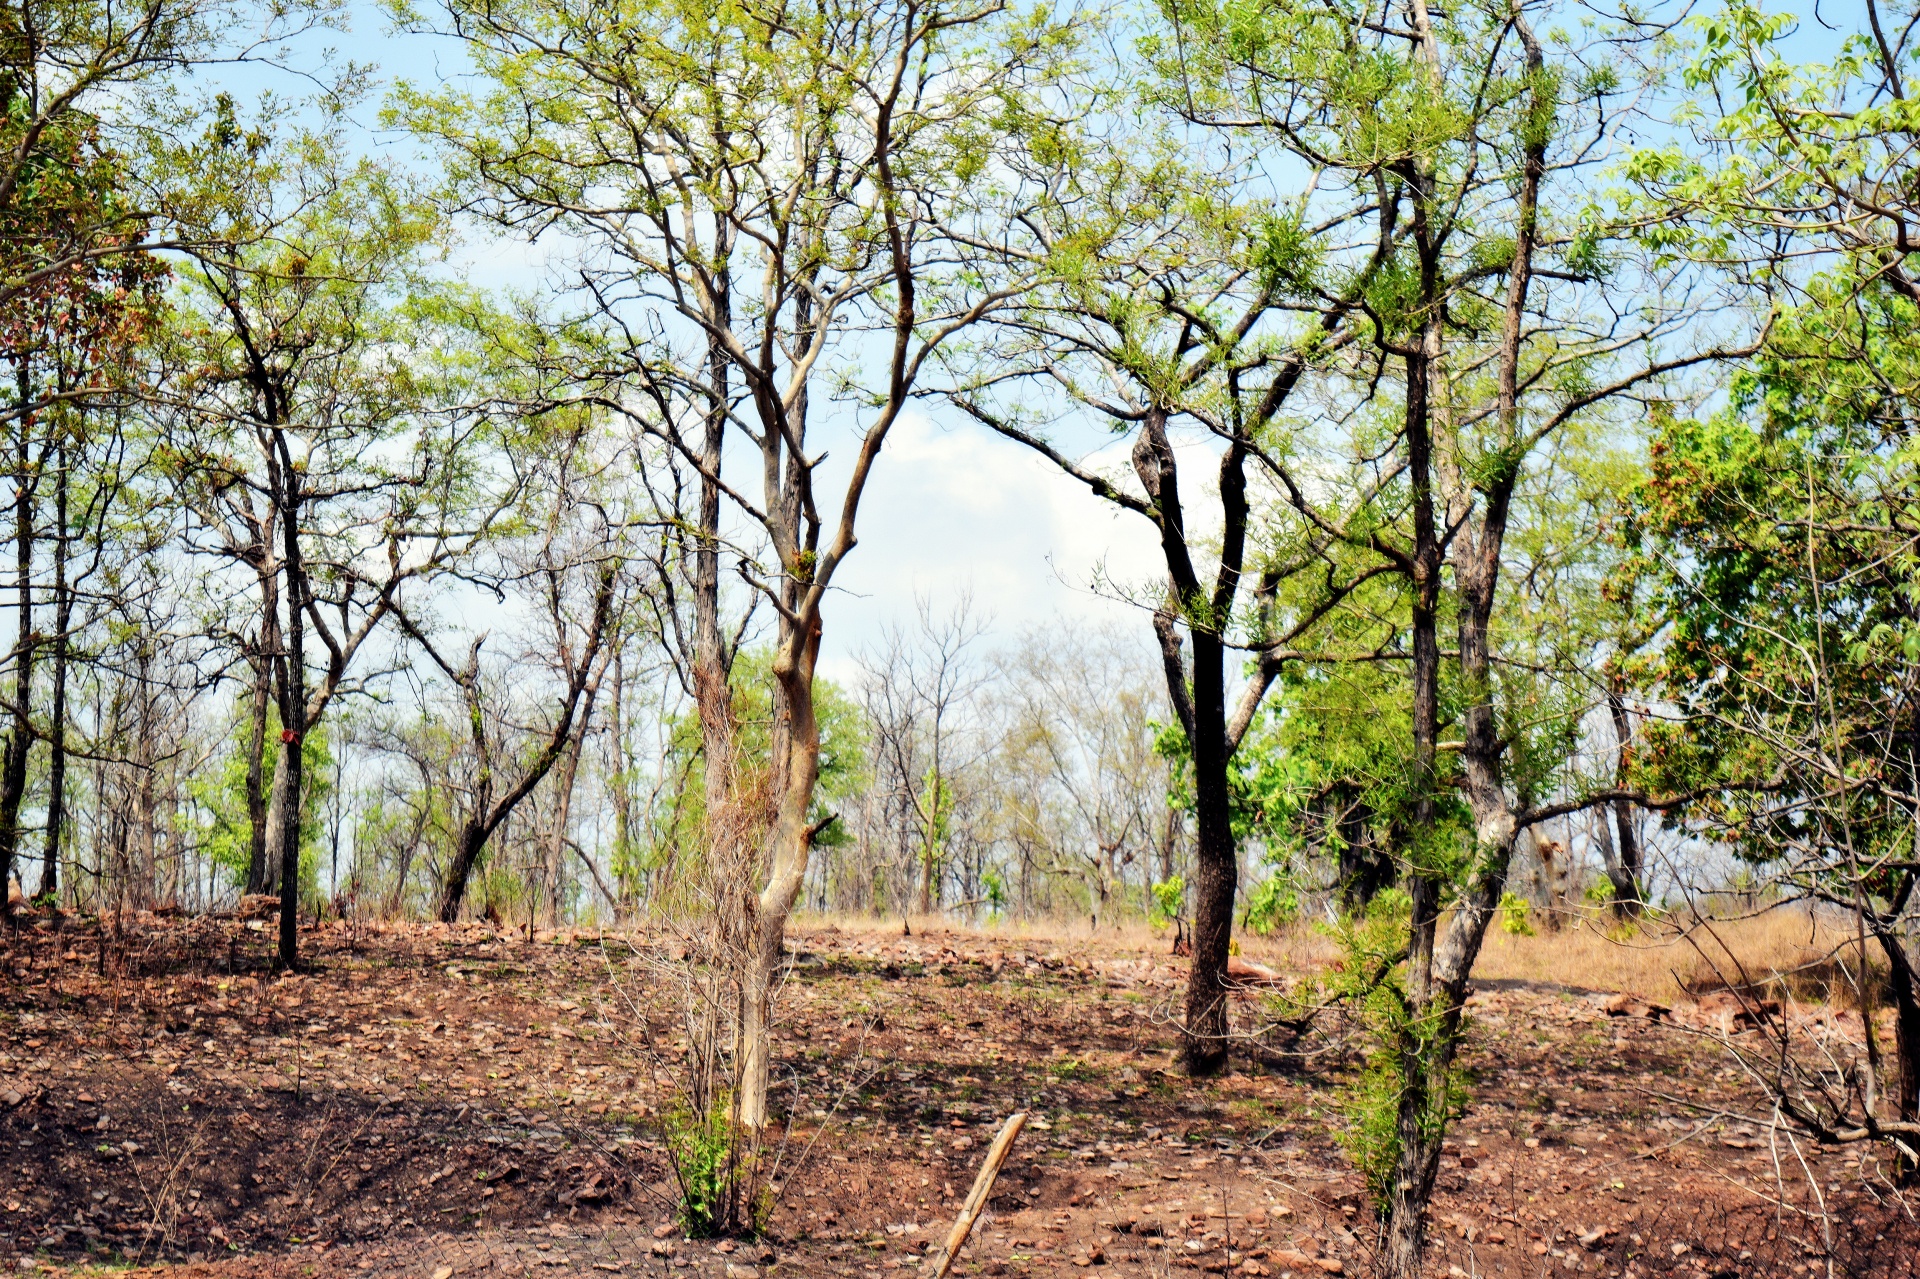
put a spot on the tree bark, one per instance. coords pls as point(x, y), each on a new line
point(57, 728)
point(486, 814)
point(624, 871)
point(1904, 986)
point(258, 874)
point(13, 761)
point(563, 810)
point(293, 710)
point(790, 844)
point(1629, 885)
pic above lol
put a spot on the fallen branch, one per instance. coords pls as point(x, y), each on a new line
point(977, 1197)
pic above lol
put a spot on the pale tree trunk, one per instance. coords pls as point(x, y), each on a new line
point(789, 845)
point(274, 804)
point(57, 735)
point(625, 889)
point(563, 808)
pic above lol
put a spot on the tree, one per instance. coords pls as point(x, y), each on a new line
point(1772, 546)
point(69, 344)
point(702, 157)
point(1176, 301)
point(1774, 542)
point(1462, 317)
point(322, 429)
point(915, 692)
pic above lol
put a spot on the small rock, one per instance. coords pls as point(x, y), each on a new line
point(737, 1271)
point(444, 1272)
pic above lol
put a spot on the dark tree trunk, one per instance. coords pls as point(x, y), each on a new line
point(1200, 703)
point(1905, 989)
point(293, 713)
point(1216, 864)
point(486, 815)
point(466, 855)
point(1418, 1159)
point(1364, 867)
point(13, 763)
point(1629, 884)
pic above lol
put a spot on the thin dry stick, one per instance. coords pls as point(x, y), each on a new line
point(977, 1197)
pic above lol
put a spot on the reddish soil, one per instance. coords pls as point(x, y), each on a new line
point(434, 1102)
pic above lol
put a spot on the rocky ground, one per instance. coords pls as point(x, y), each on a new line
point(440, 1102)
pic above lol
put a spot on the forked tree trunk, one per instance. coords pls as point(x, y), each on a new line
point(486, 815)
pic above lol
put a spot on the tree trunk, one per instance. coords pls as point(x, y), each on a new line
point(563, 809)
point(276, 804)
point(260, 828)
point(486, 815)
point(1629, 886)
point(624, 870)
point(466, 855)
point(1905, 989)
point(790, 844)
point(712, 662)
point(57, 735)
point(1418, 1155)
point(13, 762)
point(145, 826)
point(1216, 864)
point(293, 715)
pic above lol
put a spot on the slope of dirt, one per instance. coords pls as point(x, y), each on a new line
point(441, 1102)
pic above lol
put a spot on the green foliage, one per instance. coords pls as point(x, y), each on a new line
point(219, 820)
point(1768, 547)
point(994, 885)
point(712, 1167)
point(1514, 912)
point(1273, 902)
point(1370, 981)
point(1169, 901)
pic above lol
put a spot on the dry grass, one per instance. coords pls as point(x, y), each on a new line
point(1774, 951)
point(1784, 949)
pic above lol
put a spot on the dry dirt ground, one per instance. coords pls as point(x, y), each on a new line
point(435, 1103)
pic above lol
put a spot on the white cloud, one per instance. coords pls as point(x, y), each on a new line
point(950, 511)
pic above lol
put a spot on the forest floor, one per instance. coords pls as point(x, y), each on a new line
point(435, 1102)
